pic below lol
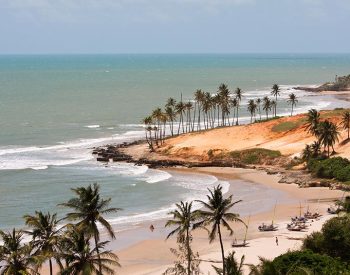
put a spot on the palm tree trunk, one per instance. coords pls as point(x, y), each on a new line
point(237, 116)
point(188, 252)
point(98, 254)
point(222, 251)
point(291, 114)
point(194, 115)
point(328, 150)
point(50, 263)
point(199, 118)
point(183, 129)
point(276, 107)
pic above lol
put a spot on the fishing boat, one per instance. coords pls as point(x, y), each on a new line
point(295, 227)
point(244, 243)
point(312, 216)
point(269, 227)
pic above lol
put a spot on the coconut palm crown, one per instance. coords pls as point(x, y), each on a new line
point(216, 214)
point(45, 235)
point(89, 209)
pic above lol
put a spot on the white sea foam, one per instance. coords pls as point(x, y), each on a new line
point(155, 176)
point(131, 125)
point(197, 186)
point(65, 153)
point(93, 126)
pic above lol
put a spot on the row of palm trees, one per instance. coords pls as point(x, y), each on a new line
point(75, 247)
point(207, 111)
point(214, 214)
point(326, 133)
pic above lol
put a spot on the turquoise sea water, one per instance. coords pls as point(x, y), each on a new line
point(54, 108)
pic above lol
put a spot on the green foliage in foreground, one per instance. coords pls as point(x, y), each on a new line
point(232, 266)
point(338, 168)
point(333, 240)
point(292, 262)
point(254, 156)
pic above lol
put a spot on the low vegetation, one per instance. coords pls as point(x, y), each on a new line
point(247, 156)
point(294, 263)
point(288, 125)
point(333, 240)
point(337, 168)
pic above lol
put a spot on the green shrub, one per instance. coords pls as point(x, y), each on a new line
point(343, 174)
point(338, 168)
point(333, 240)
point(293, 262)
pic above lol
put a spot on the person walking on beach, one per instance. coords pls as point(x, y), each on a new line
point(276, 241)
point(151, 228)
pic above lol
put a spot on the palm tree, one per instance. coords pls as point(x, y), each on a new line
point(315, 148)
point(82, 259)
point(45, 235)
point(346, 122)
point(234, 103)
point(199, 97)
point(157, 117)
point(273, 106)
point(275, 92)
point(251, 109)
point(183, 219)
point(171, 102)
point(265, 267)
point(306, 153)
point(267, 106)
point(292, 100)
point(206, 107)
point(88, 209)
point(328, 134)
point(224, 94)
point(189, 107)
point(180, 109)
point(147, 121)
point(313, 120)
point(218, 214)
point(171, 115)
point(238, 94)
point(232, 266)
point(16, 258)
point(258, 103)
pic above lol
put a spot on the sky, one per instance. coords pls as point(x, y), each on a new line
point(174, 26)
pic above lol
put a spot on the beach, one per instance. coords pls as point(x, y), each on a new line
point(152, 255)
point(97, 101)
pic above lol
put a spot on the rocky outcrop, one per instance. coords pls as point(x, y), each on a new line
point(115, 153)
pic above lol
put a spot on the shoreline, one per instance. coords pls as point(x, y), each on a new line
point(152, 255)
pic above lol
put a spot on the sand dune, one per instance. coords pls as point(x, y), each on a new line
point(287, 134)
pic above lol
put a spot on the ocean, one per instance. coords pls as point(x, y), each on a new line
point(55, 108)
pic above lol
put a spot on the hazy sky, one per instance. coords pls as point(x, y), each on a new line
point(174, 26)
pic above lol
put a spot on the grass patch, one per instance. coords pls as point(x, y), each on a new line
point(335, 112)
point(254, 156)
point(288, 125)
point(269, 119)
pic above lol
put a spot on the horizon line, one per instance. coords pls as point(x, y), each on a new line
point(169, 53)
